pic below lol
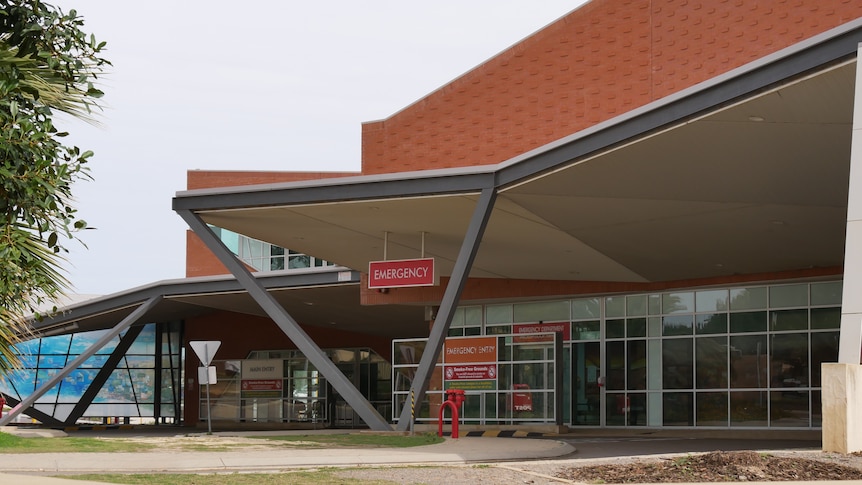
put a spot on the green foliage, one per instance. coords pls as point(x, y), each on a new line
point(47, 64)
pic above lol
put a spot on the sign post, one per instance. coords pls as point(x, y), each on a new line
point(205, 350)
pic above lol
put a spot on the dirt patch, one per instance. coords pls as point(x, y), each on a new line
point(720, 466)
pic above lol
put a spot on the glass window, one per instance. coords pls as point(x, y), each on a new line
point(615, 329)
point(707, 323)
point(654, 304)
point(677, 303)
point(828, 293)
point(677, 325)
point(637, 365)
point(654, 326)
point(823, 318)
point(677, 409)
point(788, 320)
point(616, 372)
point(636, 305)
point(636, 327)
point(711, 362)
point(711, 408)
point(748, 298)
point(542, 311)
point(788, 409)
point(498, 314)
point(748, 361)
point(824, 348)
point(748, 322)
point(586, 308)
point(677, 364)
point(789, 360)
point(711, 301)
point(788, 296)
point(473, 315)
point(586, 330)
point(748, 408)
point(615, 306)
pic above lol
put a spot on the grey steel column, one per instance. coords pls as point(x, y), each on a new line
point(451, 297)
point(124, 324)
point(287, 324)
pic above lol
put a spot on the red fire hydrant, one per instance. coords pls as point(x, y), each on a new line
point(454, 399)
point(2, 403)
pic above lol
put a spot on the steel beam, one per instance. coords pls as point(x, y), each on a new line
point(103, 375)
point(466, 256)
point(287, 324)
point(123, 325)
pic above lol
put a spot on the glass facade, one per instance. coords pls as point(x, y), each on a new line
point(296, 391)
point(735, 357)
point(143, 381)
point(263, 256)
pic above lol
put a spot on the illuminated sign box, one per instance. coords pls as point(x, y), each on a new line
point(401, 273)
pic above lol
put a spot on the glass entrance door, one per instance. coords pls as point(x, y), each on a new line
point(586, 392)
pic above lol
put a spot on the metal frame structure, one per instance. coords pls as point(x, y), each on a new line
point(127, 322)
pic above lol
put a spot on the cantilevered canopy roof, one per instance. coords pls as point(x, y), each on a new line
point(328, 299)
point(746, 173)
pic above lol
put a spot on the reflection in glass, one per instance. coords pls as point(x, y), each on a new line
point(748, 298)
point(748, 322)
point(677, 409)
point(748, 408)
point(825, 318)
point(616, 373)
point(636, 327)
point(677, 365)
point(677, 302)
point(677, 325)
point(788, 409)
point(711, 355)
point(615, 329)
point(788, 320)
point(824, 348)
point(711, 408)
point(748, 361)
point(707, 323)
point(637, 365)
point(789, 360)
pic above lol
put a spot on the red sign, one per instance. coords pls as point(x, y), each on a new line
point(564, 328)
point(472, 349)
point(261, 385)
point(401, 273)
point(471, 372)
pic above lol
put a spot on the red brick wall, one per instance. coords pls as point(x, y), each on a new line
point(200, 261)
point(602, 60)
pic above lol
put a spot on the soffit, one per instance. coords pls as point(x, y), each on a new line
point(716, 195)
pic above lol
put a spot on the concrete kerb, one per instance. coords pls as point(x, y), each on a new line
point(452, 451)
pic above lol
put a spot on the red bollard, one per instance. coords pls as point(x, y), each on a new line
point(454, 399)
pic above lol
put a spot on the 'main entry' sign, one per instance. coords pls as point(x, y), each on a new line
point(401, 273)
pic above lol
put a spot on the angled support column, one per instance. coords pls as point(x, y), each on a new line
point(34, 413)
point(103, 375)
point(451, 297)
point(287, 324)
point(842, 381)
point(123, 325)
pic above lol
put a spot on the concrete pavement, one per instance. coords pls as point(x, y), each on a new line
point(26, 469)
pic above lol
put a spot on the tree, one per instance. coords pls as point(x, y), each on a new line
point(47, 64)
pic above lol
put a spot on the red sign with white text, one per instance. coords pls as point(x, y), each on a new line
point(564, 328)
point(401, 273)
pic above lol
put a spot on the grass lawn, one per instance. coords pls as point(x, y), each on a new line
point(313, 477)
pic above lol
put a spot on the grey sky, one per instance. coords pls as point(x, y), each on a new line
point(273, 85)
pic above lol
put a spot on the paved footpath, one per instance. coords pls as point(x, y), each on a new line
point(28, 469)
